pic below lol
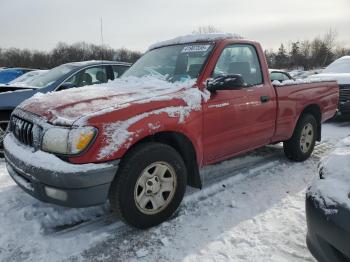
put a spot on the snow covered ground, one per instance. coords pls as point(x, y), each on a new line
point(251, 209)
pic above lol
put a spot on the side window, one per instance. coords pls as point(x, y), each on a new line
point(278, 76)
point(242, 60)
point(119, 70)
point(89, 76)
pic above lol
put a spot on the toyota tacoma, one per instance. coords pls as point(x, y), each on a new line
point(140, 140)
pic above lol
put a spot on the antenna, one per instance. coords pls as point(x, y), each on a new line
point(101, 38)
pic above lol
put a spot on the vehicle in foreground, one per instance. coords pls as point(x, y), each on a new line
point(328, 208)
point(139, 140)
point(9, 74)
point(25, 78)
point(77, 74)
point(339, 70)
point(279, 75)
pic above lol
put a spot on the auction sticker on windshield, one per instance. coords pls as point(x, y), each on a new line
point(195, 48)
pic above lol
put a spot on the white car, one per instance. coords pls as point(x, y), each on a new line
point(339, 70)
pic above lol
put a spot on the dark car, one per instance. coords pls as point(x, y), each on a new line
point(279, 75)
point(328, 208)
point(7, 75)
point(65, 76)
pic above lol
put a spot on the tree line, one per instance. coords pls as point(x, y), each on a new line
point(64, 53)
point(307, 54)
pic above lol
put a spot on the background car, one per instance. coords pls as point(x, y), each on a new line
point(7, 75)
point(339, 70)
point(328, 207)
point(65, 76)
point(279, 75)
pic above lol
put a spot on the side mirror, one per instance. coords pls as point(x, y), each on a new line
point(226, 82)
point(67, 85)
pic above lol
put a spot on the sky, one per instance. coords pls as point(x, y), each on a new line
point(136, 24)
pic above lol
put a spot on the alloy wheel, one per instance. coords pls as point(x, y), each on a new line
point(155, 188)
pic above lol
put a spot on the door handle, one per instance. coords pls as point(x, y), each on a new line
point(264, 99)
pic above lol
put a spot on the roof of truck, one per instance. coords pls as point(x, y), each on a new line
point(192, 38)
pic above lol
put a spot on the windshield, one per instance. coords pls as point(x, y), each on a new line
point(338, 66)
point(172, 63)
point(51, 76)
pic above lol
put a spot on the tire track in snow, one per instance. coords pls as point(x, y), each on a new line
point(263, 159)
point(201, 205)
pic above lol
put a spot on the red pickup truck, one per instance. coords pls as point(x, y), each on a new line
point(140, 140)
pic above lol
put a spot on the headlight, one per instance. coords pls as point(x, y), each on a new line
point(67, 141)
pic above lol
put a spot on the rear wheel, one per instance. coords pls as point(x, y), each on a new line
point(300, 146)
point(149, 186)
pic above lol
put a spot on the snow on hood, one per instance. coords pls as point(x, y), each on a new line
point(341, 78)
point(191, 38)
point(334, 188)
point(65, 107)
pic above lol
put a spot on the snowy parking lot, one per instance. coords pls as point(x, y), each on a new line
point(251, 209)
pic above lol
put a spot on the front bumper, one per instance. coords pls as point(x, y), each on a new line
point(328, 236)
point(50, 179)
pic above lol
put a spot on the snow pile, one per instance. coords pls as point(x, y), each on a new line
point(192, 38)
point(302, 81)
point(334, 188)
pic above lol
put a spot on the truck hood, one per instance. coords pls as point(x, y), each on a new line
point(68, 106)
point(341, 78)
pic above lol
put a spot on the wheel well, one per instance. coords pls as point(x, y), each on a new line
point(185, 148)
point(316, 112)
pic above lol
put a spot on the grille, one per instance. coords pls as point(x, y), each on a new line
point(344, 93)
point(22, 130)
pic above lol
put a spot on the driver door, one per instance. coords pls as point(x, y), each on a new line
point(238, 120)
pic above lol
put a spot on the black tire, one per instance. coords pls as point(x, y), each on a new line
point(121, 193)
point(293, 147)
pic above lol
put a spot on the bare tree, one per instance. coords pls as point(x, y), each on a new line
point(319, 52)
point(64, 53)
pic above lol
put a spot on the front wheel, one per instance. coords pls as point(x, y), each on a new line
point(149, 185)
point(300, 146)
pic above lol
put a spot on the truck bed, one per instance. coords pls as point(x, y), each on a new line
point(294, 97)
